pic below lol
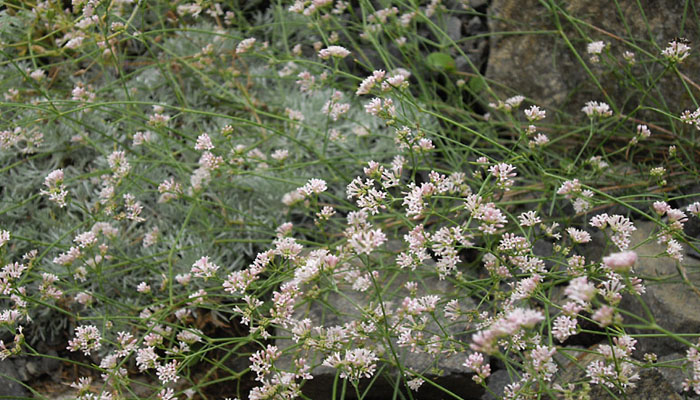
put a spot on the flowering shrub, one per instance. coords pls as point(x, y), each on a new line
point(195, 205)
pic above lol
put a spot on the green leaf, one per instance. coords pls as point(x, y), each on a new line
point(441, 62)
point(476, 84)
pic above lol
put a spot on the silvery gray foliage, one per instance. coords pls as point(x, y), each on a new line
point(232, 216)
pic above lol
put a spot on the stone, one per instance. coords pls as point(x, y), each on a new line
point(10, 386)
point(544, 67)
point(478, 3)
point(673, 302)
point(497, 383)
point(454, 28)
point(652, 385)
point(673, 373)
point(344, 306)
point(21, 370)
point(37, 367)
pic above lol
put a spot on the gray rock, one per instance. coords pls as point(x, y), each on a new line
point(652, 385)
point(21, 370)
point(672, 372)
point(347, 305)
point(673, 303)
point(497, 383)
point(477, 3)
point(543, 67)
point(692, 226)
point(36, 367)
point(454, 28)
point(474, 25)
point(593, 250)
point(10, 386)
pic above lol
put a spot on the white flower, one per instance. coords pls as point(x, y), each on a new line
point(595, 48)
point(4, 237)
point(356, 364)
point(245, 45)
point(620, 261)
point(596, 109)
point(203, 268)
point(578, 236)
point(333, 51)
point(677, 51)
point(534, 113)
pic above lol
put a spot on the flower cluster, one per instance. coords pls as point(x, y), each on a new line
point(203, 268)
point(333, 51)
point(617, 368)
point(503, 173)
point(490, 216)
point(676, 51)
point(621, 226)
point(510, 104)
point(56, 189)
point(594, 109)
point(594, 49)
point(580, 197)
point(87, 338)
point(356, 364)
point(508, 324)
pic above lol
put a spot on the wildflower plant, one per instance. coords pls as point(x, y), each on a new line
point(208, 200)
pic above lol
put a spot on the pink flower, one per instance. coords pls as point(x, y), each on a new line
point(600, 221)
point(476, 363)
point(4, 237)
point(87, 338)
point(245, 45)
point(364, 242)
point(143, 287)
point(167, 394)
point(118, 164)
point(622, 228)
point(578, 236)
point(203, 268)
point(504, 173)
point(569, 187)
point(57, 190)
point(539, 140)
point(674, 250)
point(563, 327)
point(313, 186)
point(542, 362)
point(595, 48)
point(534, 113)
point(333, 51)
point(606, 315)
point(262, 361)
point(580, 290)
point(287, 247)
point(529, 218)
point(661, 207)
point(356, 364)
point(619, 262)
point(677, 51)
point(643, 131)
point(694, 209)
point(596, 109)
point(167, 372)
point(203, 142)
point(369, 82)
point(374, 106)
point(524, 317)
